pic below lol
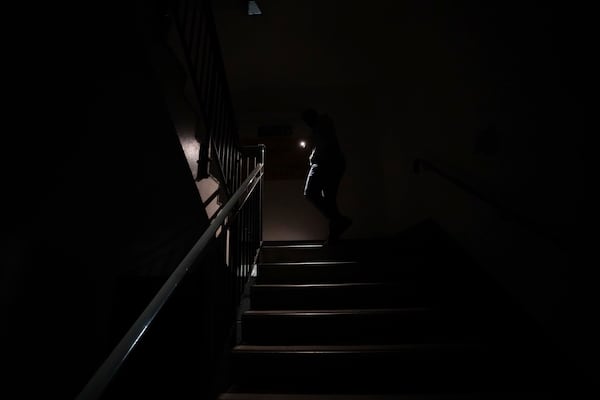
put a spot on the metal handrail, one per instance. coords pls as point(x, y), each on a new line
point(420, 163)
point(104, 374)
point(503, 210)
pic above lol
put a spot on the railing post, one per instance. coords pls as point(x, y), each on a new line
point(262, 148)
point(256, 154)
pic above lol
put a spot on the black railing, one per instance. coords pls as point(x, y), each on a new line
point(195, 25)
point(220, 263)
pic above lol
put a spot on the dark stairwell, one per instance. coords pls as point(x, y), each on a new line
point(401, 317)
point(104, 189)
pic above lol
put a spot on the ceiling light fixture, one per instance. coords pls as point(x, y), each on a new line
point(253, 8)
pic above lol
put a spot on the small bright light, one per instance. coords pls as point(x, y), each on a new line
point(303, 144)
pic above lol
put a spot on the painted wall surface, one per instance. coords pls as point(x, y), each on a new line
point(177, 87)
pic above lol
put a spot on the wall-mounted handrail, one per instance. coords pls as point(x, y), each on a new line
point(421, 164)
point(105, 373)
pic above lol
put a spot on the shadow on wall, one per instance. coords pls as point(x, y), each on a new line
point(549, 279)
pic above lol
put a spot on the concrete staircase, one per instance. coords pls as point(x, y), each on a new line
point(383, 320)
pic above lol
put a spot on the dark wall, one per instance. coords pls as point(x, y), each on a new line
point(96, 189)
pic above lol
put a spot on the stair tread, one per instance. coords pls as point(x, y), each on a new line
point(287, 396)
point(341, 294)
point(293, 245)
point(361, 348)
point(325, 285)
point(328, 312)
point(317, 396)
point(305, 263)
point(347, 272)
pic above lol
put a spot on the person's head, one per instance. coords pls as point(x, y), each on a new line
point(310, 116)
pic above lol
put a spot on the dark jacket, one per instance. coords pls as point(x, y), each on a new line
point(326, 149)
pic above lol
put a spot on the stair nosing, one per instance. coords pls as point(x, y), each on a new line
point(328, 396)
point(323, 285)
point(338, 311)
point(335, 349)
point(304, 263)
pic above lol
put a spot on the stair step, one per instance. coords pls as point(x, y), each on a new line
point(300, 251)
point(466, 396)
point(358, 250)
point(308, 272)
point(340, 295)
point(402, 325)
point(339, 271)
point(371, 369)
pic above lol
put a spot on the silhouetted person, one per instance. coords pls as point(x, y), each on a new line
point(327, 166)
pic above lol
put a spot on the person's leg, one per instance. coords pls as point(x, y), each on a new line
point(313, 190)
